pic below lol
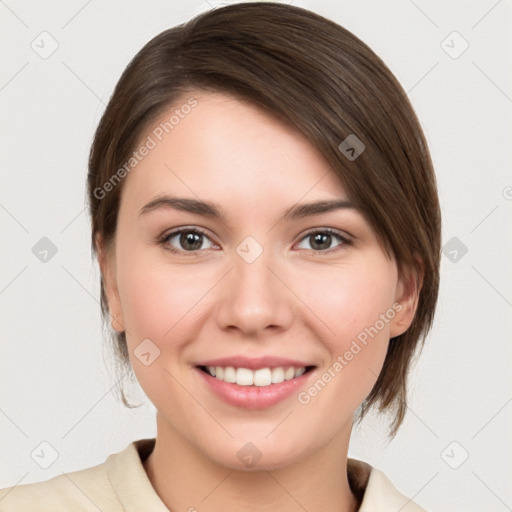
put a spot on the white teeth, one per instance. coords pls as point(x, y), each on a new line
point(244, 377)
point(260, 377)
point(263, 377)
point(289, 373)
point(299, 371)
point(229, 374)
point(277, 375)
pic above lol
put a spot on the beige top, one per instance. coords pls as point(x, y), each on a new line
point(120, 484)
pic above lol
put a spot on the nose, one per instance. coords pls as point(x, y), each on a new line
point(254, 298)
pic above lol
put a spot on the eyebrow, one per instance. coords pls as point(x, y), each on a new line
point(212, 210)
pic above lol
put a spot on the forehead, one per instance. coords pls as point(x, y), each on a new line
point(213, 145)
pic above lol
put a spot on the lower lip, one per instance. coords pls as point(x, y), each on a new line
point(254, 397)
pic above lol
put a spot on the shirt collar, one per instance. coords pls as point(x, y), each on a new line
point(135, 492)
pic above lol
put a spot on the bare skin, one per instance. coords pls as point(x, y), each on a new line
point(297, 299)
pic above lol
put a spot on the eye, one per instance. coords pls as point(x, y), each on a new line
point(321, 239)
point(190, 240)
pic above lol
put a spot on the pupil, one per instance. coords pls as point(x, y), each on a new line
point(190, 238)
point(320, 238)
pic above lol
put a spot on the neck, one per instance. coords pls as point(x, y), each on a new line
point(186, 479)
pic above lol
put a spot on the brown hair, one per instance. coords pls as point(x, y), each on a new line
point(316, 75)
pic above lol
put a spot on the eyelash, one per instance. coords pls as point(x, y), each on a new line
point(164, 240)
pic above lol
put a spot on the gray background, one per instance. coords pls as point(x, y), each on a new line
point(57, 377)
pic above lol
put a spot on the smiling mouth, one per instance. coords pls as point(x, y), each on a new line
point(256, 378)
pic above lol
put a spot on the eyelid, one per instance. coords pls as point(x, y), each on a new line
point(162, 239)
point(345, 238)
point(326, 229)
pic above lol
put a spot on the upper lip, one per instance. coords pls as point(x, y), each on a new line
point(254, 363)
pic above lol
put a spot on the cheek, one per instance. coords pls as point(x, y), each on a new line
point(350, 298)
point(159, 302)
point(355, 303)
point(154, 299)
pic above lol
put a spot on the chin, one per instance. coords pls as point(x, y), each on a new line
point(254, 456)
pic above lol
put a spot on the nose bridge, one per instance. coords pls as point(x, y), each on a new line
point(254, 298)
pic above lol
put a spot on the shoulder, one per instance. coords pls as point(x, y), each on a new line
point(120, 483)
point(84, 490)
point(376, 490)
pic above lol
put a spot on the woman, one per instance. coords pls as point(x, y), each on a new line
point(265, 216)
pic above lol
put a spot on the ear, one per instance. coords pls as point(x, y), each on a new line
point(406, 297)
point(106, 260)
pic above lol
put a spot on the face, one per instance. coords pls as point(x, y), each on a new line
point(311, 291)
